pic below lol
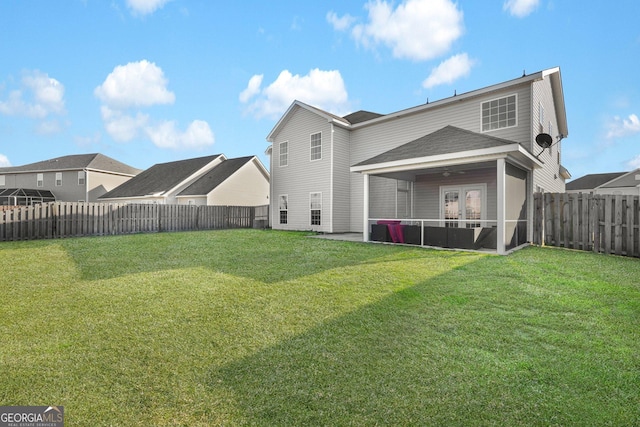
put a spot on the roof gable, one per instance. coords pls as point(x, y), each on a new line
point(629, 179)
point(159, 178)
point(447, 140)
point(216, 176)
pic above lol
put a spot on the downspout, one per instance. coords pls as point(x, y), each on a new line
point(86, 185)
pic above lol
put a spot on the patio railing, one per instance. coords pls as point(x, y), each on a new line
point(446, 233)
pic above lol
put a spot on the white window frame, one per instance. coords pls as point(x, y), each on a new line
point(58, 179)
point(283, 155)
point(315, 196)
point(462, 189)
point(82, 177)
point(507, 126)
point(40, 180)
point(281, 209)
point(315, 151)
point(3, 181)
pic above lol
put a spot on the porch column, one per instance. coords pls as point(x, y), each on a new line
point(501, 208)
point(365, 209)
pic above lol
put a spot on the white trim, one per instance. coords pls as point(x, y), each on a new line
point(482, 130)
point(331, 184)
point(462, 189)
point(311, 147)
point(365, 210)
point(501, 206)
point(280, 154)
point(461, 157)
point(287, 209)
point(311, 193)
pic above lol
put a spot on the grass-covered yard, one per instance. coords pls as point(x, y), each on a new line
point(252, 327)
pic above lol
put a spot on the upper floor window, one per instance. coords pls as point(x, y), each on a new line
point(40, 180)
point(316, 146)
point(284, 153)
point(2, 181)
point(58, 179)
point(499, 113)
point(81, 178)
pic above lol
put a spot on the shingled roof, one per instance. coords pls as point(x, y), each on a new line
point(215, 177)
point(447, 140)
point(591, 181)
point(95, 161)
point(159, 178)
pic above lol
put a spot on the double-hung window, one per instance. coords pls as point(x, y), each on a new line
point(2, 181)
point(316, 146)
point(58, 179)
point(40, 180)
point(283, 207)
point(81, 177)
point(499, 113)
point(284, 153)
point(315, 205)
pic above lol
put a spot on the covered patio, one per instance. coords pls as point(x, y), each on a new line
point(452, 188)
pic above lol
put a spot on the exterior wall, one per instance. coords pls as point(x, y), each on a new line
point(427, 191)
point(192, 200)
point(247, 187)
point(372, 140)
point(548, 178)
point(301, 176)
point(100, 182)
point(341, 205)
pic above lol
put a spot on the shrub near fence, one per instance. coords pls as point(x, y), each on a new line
point(55, 220)
point(598, 223)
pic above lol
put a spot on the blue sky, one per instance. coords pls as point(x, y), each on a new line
point(151, 81)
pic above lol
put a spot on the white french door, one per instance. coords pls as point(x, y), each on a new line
point(463, 206)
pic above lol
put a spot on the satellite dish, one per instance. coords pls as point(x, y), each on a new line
point(544, 140)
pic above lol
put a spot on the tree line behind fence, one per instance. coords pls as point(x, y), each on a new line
point(599, 223)
point(61, 219)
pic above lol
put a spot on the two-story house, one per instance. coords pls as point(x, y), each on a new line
point(74, 178)
point(458, 172)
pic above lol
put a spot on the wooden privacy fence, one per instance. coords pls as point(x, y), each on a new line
point(59, 219)
point(599, 223)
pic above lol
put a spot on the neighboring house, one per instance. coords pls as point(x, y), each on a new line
point(466, 162)
point(210, 180)
point(74, 178)
point(624, 183)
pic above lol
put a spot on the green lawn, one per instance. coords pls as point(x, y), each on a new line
point(250, 327)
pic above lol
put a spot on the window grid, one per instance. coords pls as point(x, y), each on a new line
point(315, 205)
point(58, 179)
point(316, 146)
point(40, 180)
point(499, 113)
point(81, 178)
point(283, 207)
point(284, 153)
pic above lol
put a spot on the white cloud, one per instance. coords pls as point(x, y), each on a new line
point(145, 7)
point(619, 127)
point(253, 88)
point(38, 97)
point(417, 29)
point(520, 8)
point(120, 126)
point(4, 161)
point(635, 162)
point(322, 89)
point(450, 70)
point(340, 24)
point(136, 84)
point(165, 135)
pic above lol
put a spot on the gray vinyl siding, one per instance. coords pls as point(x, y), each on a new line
point(427, 191)
point(548, 177)
point(302, 176)
point(341, 180)
point(369, 141)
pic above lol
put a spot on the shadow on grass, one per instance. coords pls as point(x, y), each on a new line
point(445, 352)
point(266, 256)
